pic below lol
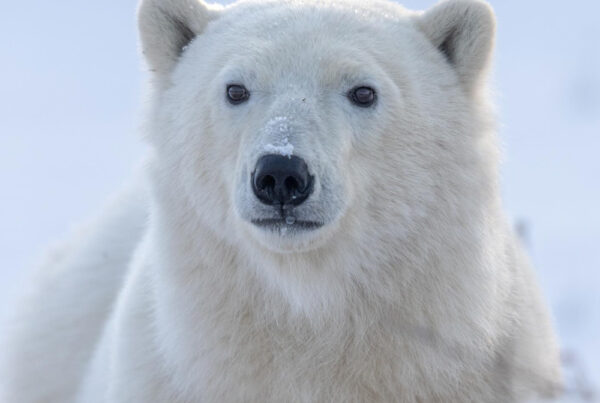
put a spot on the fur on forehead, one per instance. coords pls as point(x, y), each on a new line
point(368, 9)
point(270, 20)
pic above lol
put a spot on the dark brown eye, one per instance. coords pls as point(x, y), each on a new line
point(236, 94)
point(362, 96)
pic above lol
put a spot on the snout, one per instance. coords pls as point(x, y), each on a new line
point(280, 180)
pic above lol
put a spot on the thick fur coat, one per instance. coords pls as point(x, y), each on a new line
point(409, 285)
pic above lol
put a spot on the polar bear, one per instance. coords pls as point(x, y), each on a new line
point(319, 220)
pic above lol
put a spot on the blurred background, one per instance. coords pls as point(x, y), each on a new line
point(70, 94)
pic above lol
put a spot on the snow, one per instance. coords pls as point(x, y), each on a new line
point(279, 128)
point(68, 116)
point(286, 149)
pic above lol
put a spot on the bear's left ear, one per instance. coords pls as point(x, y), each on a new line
point(167, 26)
point(464, 31)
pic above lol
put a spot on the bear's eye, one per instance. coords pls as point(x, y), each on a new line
point(362, 96)
point(236, 94)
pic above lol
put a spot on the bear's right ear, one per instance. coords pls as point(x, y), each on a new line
point(167, 26)
point(464, 31)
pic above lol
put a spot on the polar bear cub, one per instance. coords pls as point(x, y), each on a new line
point(319, 220)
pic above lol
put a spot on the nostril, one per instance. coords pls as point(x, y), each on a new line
point(291, 184)
point(266, 182)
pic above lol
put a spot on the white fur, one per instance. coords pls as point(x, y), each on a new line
point(413, 290)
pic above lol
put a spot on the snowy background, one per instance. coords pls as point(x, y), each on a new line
point(70, 83)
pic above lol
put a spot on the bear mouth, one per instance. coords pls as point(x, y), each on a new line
point(279, 224)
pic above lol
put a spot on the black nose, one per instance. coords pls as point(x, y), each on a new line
point(281, 180)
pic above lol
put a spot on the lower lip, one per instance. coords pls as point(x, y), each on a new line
point(277, 224)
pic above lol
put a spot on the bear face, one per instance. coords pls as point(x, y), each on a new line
point(379, 171)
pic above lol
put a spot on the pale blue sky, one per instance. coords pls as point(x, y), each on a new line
point(70, 83)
